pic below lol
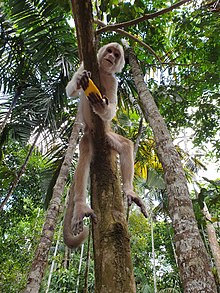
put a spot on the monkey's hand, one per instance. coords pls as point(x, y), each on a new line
point(83, 80)
point(97, 100)
point(91, 91)
point(132, 197)
point(81, 210)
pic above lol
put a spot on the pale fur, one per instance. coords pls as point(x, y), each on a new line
point(77, 208)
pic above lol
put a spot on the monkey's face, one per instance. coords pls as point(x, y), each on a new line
point(110, 59)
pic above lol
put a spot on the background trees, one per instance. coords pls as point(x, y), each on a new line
point(38, 53)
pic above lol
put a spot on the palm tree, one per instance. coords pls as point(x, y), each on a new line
point(180, 205)
point(37, 52)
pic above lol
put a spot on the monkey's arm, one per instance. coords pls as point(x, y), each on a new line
point(104, 109)
point(103, 106)
point(73, 87)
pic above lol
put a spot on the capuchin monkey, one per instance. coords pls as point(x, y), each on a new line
point(110, 60)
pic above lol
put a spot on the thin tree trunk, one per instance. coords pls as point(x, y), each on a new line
point(153, 254)
point(20, 173)
point(85, 290)
point(41, 255)
point(194, 266)
point(79, 269)
point(213, 241)
point(53, 262)
point(113, 266)
point(66, 257)
point(138, 139)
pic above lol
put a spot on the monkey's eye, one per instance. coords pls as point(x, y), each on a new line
point(109, 50)
point(116, 55)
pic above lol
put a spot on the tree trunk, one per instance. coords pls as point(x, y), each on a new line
point(79, 268)
point(213, 241)
point(86, 277)
point(41, 255)
point(153, 254)
point(113, 266)
point(195, 270)
point(53, 261)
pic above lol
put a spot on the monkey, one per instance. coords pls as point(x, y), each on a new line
point(110, 61)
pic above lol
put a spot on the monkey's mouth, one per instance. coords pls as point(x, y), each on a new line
point(109, 61)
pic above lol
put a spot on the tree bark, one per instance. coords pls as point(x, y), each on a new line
point(113, 266)
point(213, 241)
point(41, 255)
point(194, 266)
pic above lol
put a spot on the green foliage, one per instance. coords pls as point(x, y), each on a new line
point(210, 193)
point(22, 217)
point(38, 52)
point(19, 237)
point(64, 279)
point(14, 155)
point(141, 244)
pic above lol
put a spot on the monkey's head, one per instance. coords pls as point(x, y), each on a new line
point(111, 58)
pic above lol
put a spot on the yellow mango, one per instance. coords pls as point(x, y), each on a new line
point(92, 88)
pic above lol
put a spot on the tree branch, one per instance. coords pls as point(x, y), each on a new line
point(113, 27)
point(130, 36)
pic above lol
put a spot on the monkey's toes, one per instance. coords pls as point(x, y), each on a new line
point(77, 227)
point(94, 218)
point(139, 202)
point(92, 215)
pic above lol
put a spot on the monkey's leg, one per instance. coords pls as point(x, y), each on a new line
point(81, 209)
point(126, 153)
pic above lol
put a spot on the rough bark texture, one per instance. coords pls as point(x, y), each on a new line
point(213, 241)
point(194, 266)
point(41, 255)
point(113, 266)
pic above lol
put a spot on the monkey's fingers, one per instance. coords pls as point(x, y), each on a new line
point(92, 215)
point(84, 82)
point(139, 203)
point(88, 73)
point(77, 226)
point(95, 98)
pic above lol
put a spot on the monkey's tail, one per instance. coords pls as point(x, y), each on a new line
point(71, 240)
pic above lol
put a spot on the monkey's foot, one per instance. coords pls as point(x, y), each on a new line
point(132, 197)
point(81, 210)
